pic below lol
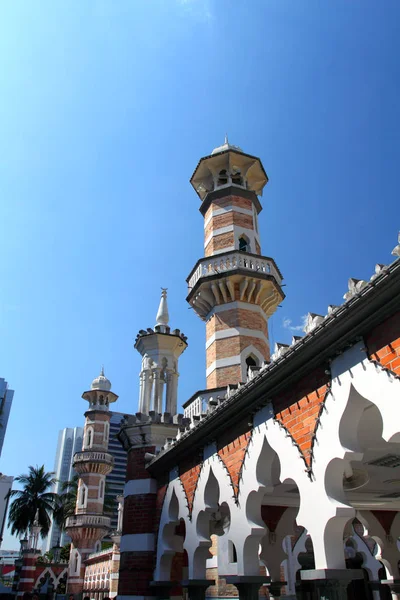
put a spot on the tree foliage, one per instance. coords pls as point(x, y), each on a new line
point(35, 497)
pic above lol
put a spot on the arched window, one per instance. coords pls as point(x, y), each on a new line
point(250, 361)
point(76, 562)
point(222, 177)
point(89, 437)
point(237, 179)
point(101, 490)
point(232, 552)
point(244, 245)
point(83, 495)
point(106, 432)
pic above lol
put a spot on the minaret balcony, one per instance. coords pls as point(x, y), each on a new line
point(93, 462)
point(97, 521)
point(235, 276)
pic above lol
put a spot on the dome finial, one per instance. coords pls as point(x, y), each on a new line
point(162, 317)
point(226, 139)
point(102, 371)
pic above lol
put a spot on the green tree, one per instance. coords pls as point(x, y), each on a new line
point(34, 497)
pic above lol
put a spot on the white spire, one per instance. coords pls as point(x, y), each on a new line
point(162, 317)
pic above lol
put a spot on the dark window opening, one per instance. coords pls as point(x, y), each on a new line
point(243, 245)
point(237, 178)
point(250, 362)
point(223, 177)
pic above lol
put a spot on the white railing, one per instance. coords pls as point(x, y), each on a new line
point(229, 262)
point(88, 521)
point(95, 456)
point(100, 553)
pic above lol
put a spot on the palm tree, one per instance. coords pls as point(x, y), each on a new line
point(34, 497)
point(66, 501)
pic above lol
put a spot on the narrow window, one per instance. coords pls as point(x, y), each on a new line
point(243, 245)
point(222, 177)
point(89, 438)
point(237, 178)
point(232, 552)
point(101, 489)
point(83, 495)
point(250, 362)
point(76, 562)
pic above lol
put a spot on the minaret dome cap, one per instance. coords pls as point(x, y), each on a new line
point(225, 146)
point(101, 382)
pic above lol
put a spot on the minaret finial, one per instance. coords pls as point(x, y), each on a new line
point(226, 139)
point(162, 317)
point(102, 371)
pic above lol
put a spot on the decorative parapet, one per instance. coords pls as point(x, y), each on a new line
point(355, 287)
point(279, 350)
point(88, 521)
point(396, 249)
point(232, 261)
point(312, 321)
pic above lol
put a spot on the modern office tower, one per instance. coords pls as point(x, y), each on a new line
point(6, 398)
point(5, 487)
point(69, 442)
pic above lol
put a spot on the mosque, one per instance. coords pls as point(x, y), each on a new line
point(281, 479)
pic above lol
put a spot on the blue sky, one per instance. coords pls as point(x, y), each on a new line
point(106, 108)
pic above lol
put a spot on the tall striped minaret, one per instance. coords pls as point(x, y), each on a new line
point(234, 288)
point(90, 525)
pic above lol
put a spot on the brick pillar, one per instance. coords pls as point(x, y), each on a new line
point(141, 435)
point(28, 570)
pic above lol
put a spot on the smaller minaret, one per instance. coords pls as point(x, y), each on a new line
point(160, 349)
point(89, 524)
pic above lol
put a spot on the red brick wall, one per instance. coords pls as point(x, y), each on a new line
point(232, 449)
point(189, 473)
point(139, 513)
point(298, 409)
point(135, 468)
point(383, 343)
point(135, 573)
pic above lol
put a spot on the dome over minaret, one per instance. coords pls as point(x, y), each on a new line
point(225, 146)
point(101, 382)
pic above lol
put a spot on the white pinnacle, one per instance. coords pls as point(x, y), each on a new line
point(162, 317)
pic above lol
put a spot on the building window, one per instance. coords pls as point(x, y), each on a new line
point(89, 437)
point(237, 179)
point(250, 361)
point(222, 177)
point(101, 490)
point(244, 244)
point(232, 552)
point(106, 432)
point(82, 495)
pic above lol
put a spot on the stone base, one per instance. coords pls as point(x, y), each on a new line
point(248, 585)
point(162, 589)
point(197, 587)
point(332, 583)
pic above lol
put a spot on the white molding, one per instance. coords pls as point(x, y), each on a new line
point(134, 487)
point(237, 304)
point(232, 332)
point(230, 361)
point(221, 251)
point(220, 231)
point(228, 209)
point(137, 542)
